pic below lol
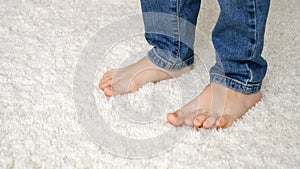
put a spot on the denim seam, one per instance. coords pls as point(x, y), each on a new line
point(235, 81)
point(234, 85)
point(255, 30)
point(178, 28)
point(161, 59)
point(255, 38)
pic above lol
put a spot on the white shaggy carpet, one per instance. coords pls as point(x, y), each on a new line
point(40, 45)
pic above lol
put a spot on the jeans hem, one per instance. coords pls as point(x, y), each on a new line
point(164, 64)
point(234, 84)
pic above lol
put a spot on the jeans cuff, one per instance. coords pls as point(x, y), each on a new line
point(158, 60)
point(234, 84)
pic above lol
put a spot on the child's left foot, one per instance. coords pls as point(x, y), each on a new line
point(217, 106)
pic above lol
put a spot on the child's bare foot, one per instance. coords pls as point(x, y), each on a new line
point(132, 77)
point(217, 106)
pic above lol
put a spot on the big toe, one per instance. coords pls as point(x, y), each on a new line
point(175, 119)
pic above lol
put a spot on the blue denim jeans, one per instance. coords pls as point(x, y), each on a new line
point(238, 39)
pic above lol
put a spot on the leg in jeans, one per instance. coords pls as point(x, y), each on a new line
point(238, 39)
point(170, 29)
point(239, 70)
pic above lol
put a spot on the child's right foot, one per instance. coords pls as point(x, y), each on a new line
point(133, 77)
point(217, 106)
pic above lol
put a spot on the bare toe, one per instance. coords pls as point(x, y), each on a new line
point(210, 122)
point(107, 75)
point(107, 91)
point(190, 118)
point(198, 122)
point(175, 119)
point(105, 84)
point(224, 122)
point(106, 80)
